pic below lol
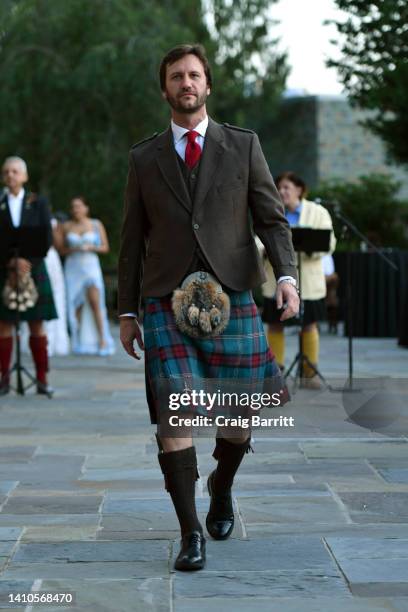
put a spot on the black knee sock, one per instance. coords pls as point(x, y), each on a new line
point(180, 473)
point(229, 456)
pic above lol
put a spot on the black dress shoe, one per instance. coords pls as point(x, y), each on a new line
point(43, 389)
point(192, 554)
point(220, 517)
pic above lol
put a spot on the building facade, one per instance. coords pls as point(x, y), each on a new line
point(321, 138)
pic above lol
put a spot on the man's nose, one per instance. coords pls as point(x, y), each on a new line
point(186, 82)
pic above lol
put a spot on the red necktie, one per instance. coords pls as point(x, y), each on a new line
point(193, 149)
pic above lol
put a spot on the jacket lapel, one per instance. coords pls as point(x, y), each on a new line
point(170, 169)
point(5, 209)
point(25, 208)
point(210, 161)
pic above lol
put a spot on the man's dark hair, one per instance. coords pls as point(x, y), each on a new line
point(177, 53)
point(293, 178)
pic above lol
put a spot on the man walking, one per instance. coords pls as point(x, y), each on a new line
point(195, 196)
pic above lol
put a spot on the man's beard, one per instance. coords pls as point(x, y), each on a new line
point(177, 105)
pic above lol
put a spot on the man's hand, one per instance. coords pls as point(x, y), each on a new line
point(20, 265)
point(287, 294)
point(129, 332)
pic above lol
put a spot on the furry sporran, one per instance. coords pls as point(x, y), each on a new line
point(201, 308)
point(24, 296)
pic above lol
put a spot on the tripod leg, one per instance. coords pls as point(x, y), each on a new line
point(20, 386)
point(292, 365)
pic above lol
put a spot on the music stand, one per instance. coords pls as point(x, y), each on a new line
point(307, 240)
point(28, 242)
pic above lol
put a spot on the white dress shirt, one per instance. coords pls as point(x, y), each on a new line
point(16, 206)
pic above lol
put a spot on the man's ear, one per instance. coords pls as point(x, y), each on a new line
point(164, 95)
point(208, 91)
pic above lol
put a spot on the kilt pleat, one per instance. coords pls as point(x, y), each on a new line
point(239, 358)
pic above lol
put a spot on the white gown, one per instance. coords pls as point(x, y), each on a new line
point(56, 330)
point(83, 270)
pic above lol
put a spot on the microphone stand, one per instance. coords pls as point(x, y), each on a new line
point(335, 208)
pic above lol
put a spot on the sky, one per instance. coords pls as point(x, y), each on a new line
point(307, 41)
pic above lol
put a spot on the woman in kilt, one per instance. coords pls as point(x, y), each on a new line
point(300, 213)
point(20, 208)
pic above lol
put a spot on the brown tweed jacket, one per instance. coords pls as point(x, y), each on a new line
point(235, 198)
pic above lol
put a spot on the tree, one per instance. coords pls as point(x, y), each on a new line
point(79, 84)
point(374, 66)
point(248, 69)
point(373, 206)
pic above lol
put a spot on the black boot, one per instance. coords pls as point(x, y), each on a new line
point(220, 517)
point(180, 473)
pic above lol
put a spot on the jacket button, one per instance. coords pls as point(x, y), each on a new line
point(196, 226)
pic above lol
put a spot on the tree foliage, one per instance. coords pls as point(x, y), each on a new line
point(374, 66)
point(79, 84)
point(373, 207)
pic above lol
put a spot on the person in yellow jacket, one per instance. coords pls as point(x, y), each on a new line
point(300, 213)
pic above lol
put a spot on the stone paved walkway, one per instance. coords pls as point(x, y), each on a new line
point(322, 508)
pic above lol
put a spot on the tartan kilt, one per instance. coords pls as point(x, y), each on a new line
point(44, 309)
point(239, 358)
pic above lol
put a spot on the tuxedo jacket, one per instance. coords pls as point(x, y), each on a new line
point(234, 199)
point(34, 213)
point(313, 283)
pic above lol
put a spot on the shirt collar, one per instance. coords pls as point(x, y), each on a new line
point(179, 132)
point(19, 196)
point(297, 210)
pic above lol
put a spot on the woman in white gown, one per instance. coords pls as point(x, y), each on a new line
point(84, 238)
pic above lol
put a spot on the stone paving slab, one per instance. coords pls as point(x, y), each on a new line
point(85, 552)
point(137, 595)
point(316, 471)
point(8, 534)
point(59, 533)
point(382, 530)
point(378, 565)
point(6, 486)
point(293, 553)
point(6, 548)
point(368, 548)
point(356, 449)
point(27, 520)
point(17, 454)
point(102, 570)
point(53, 504)
point(395, 475)
point(286, 604)
point(368, 507)
point(8, 587)
point(277, 583)
point(320, 509)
